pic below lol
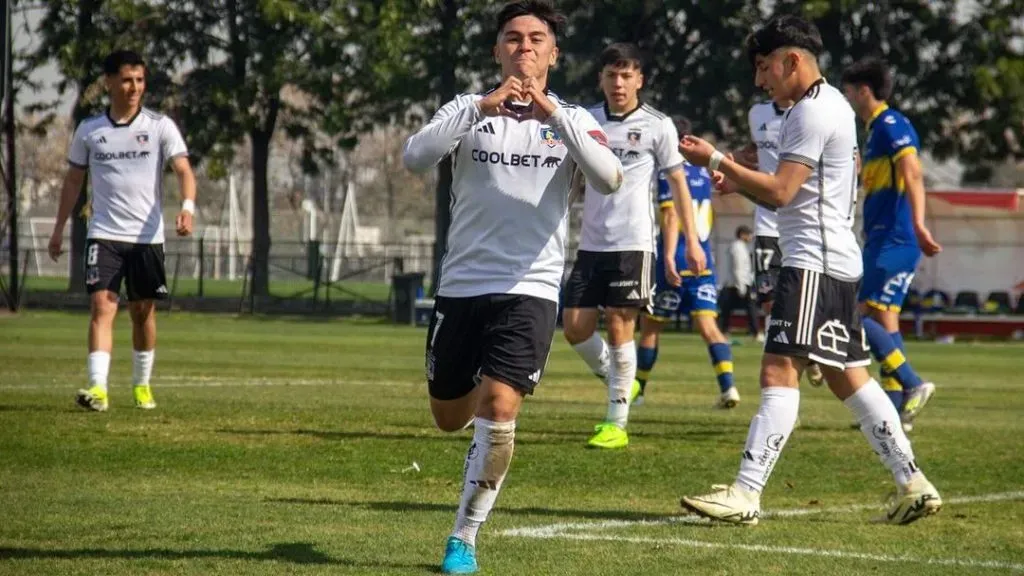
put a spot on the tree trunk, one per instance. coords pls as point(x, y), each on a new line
point(260, 214)
point(442, 195)
point(79, 215)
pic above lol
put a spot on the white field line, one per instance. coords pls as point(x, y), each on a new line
point(557, 530)
point(820, 552)
point(591, 532)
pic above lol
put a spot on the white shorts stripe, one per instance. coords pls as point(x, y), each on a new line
point(809, 283)
point(802, 321)
point(815, 284)
point(645, 277)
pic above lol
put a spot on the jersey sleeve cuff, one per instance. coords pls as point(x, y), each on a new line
point(671, 168)
point(77, 165)
point(904, 152)
point(799, 159)
point(666, 204)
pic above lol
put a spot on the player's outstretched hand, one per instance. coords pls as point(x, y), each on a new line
point(183, 223)
point(697, 151)
point(928, 244)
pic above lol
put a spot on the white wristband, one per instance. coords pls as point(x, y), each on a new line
point(716, 159)
point(188, 205)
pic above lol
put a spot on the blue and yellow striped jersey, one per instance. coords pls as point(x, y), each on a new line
point(698, 179)
point(887, 215)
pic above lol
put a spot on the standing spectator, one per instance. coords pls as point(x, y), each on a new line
point(738, 282)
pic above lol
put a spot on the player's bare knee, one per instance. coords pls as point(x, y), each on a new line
point(103, 307)
point(575, 333)
point(780, 371)
point(621, 325)
point(709, 330)
point(141, 310)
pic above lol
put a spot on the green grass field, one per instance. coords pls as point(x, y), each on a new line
point(282, 447)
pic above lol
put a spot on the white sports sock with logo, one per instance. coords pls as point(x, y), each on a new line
point(594, 351)
point(620, 382)
point(487, 462)
point(881, 425)
point(769, 430)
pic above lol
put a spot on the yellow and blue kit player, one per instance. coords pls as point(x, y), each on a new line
point(696, 295)
point(895, 234)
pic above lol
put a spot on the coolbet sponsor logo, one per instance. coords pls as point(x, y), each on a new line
point(510, 159)
point(124, 155)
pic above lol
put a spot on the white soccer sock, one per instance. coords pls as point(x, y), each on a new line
point(594, 351)
point(880, 424)
point(142, 366)
point(769, 430)
point(98, 365)
point(620, 382)
point(487, 462)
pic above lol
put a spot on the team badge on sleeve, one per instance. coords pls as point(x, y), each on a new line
point(600, 136)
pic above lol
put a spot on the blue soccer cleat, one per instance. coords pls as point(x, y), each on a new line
point(459, 557)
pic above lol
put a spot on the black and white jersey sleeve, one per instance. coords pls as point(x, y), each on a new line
point(439, 138)
point(816, 227)
point(588, 146)
point(78, 154)
point(765, 121)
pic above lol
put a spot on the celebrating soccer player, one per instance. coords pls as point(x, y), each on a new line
point(514, 150)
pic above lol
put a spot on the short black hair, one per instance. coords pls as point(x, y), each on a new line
point(743, 230)
point(781, 31)
point(683, 125)
point(542, 9)
point(115, 60)
point(871, 72)
point(622, 55)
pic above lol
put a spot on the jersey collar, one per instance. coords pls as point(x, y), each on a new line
point(122, 124)
point(779, 111)
point(621, 117)
point(878, 112)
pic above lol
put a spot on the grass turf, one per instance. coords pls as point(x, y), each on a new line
point(282, 447)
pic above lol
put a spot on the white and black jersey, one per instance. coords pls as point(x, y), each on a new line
point(816, 227)
point(510, 193)
point(765, 121)
point(126, 164)
point(647, 144)
point(814, 312)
